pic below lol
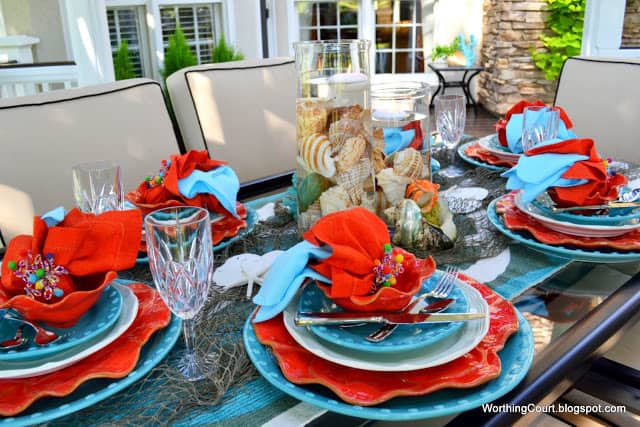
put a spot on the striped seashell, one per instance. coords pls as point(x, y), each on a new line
point(334, 199)
point(351, 152)
point(424, 193)
point(315, 152)
point(355, 179)
point(311, 117)
point(342, 130)
point(409, 163)
point(394, 186)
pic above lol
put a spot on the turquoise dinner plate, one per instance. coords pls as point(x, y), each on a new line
point(476, 162)
point(95, 322)
point(94, 391)
point(574, 253)
point(516, 358)
point(252, 219)
point(405, 337)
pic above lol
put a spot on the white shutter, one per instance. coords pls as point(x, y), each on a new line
point(124, 25)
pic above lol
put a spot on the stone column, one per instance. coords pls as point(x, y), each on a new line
point(631, 29)
point(510, 29)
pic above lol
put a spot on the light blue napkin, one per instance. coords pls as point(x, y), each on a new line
point(514, 131)
point(54, 216)
point(285, 278)
point(222, 182)
point(534, 174)
point(396, 139)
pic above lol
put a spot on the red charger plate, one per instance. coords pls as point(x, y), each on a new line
point(477, 152)
point(366, 388)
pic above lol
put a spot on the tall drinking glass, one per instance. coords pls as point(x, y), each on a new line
point(97, 186)
point(539, 124)
point(181, 261)
point(451, 114)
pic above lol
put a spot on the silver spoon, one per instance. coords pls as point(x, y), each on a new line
point(42, 337)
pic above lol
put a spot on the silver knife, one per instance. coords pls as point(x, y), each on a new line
point(310, 319)
point(609, 205)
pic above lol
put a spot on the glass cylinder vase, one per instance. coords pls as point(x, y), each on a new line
point(335, 161)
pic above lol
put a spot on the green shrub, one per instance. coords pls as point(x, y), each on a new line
point(178, 54)
point(225, 53)
point(122, 65)
point(565, 21)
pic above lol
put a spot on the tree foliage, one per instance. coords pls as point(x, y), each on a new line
point(225, 53)
point(122, 64)
point(178, 54)
point(565, 21)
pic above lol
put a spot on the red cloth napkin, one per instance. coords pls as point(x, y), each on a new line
point(601, 185)
point(357, 240)
point(90, 247)
point(149, 197)
point(518, 108)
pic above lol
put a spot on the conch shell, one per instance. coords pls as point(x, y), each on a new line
point(409, 163)
point(354, 180)
point(412, 231)
point(311, 117)
point(334, 199)
point(351, 152)
point(315, 153)
point(394, 186)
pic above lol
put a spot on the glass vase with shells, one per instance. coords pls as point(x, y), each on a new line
point(334, 140)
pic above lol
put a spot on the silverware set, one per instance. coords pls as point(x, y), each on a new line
point(42, 336)
point(413, 313)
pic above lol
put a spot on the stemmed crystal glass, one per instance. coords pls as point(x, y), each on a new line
point(181, 261)
point(451, 114)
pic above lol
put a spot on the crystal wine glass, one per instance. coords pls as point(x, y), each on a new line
point(97, 186)
point(451, 114)
point(181, 261)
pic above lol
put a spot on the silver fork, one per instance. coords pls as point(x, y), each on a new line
point(442, 290)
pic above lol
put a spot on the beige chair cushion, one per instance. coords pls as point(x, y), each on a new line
point(16, 213)
point(602, 98)
point(242, 112)
point(43, 136)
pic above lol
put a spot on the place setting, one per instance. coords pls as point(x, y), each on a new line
point(524, 125)
point(71, 332)
point(353, 324)
point(568, 201)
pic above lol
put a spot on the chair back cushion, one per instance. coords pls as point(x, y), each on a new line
point(43, 136)
point(242, 112)
point(602, 98)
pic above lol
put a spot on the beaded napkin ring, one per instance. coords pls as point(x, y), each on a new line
point(40, 275)
point(388, 269)
point(158, 179)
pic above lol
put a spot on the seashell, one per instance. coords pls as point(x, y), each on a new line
point(377, 152)
point(311, 117)
point(351, 152)
point(373, 202)
point(352, 112)
point(355, 179)
point(424, 193)
point(394, 186)
point(334, 199)
point(409, 163)
point(309, 217)
point(311, 187)
point(342, 130)
point(414, 232)
point(315, 152)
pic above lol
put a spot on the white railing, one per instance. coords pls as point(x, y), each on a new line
point(30, 79)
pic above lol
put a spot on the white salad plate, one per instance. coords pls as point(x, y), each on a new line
point(439, 353)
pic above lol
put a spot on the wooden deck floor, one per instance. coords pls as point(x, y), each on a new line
point(477, 125)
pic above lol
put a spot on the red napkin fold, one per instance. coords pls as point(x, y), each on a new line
point(89, 247)
point(601, 186)
point(357, 240)
point(518, 108)
point(152, 195)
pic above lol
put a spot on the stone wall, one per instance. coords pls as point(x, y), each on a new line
point(631, 28)
point(511, 29)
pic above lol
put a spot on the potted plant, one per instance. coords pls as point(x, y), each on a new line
point(441, 53)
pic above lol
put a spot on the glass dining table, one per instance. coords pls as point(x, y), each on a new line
point(576, 310)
